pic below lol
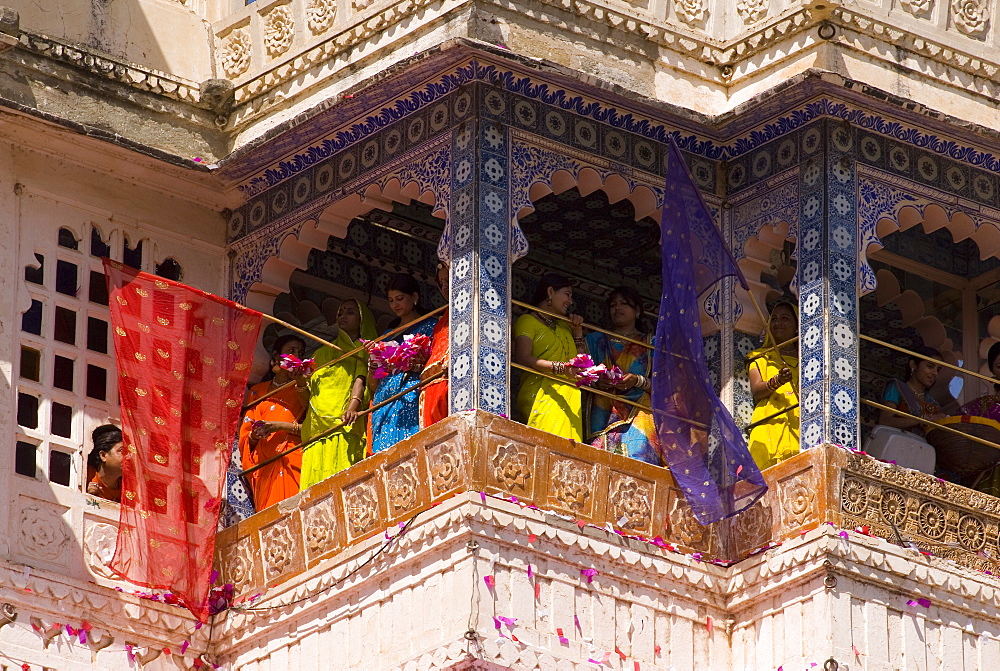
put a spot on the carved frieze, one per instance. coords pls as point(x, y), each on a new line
point(279, 30)
point(236, 52)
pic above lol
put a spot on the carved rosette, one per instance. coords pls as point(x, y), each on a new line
point(235, 53)
point(401, 488)
point(361, 502)
point(752, 10)
point(279, 30)
point(362, 4)
point(917, 7)
point(446, 468)
point(99, 547)
point(798, 499)
point(630, 505)
point(43, 533)
point(237, 564)
point(320, 15)
point(690, 11)
point(684, 526)
point(972, 17)
point(572, 484)
point(278, 548)
point(320, 527)
point(510, 467)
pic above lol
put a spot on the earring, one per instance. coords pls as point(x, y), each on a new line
point(548, 303)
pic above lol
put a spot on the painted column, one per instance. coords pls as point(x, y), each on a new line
point(828, 277)
point(479, 244)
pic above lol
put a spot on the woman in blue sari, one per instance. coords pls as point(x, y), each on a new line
point(401, 418)
point(618, 427)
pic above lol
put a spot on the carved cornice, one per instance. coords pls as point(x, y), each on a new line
point(111, 69)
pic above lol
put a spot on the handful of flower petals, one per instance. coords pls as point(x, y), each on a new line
point(591, 372)
point(390, 357)
point(297, 366)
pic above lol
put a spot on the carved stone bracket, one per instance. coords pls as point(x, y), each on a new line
point(8, 614)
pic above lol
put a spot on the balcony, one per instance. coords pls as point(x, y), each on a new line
point(478, 452)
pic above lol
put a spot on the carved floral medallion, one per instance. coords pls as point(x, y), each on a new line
point(510, 467)
point(401, 487)
point(630, 505)
point(362, 508)
point(446, 468)
point(279, 30)
point(917, 7)
point(235, 54)
point(43, 533)
point(972, 17)
point(752, 10)
point(572, 484)
point(320, 15)
point(690, 11)
point(320, 523)
point(278, 548)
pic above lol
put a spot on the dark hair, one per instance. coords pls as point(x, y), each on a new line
point(547, 280)
point(406, 284)
point(990, 359)
point(104, 437)
point(280, 343)
point(788, 304)
point(634, 301)
point(925, 353)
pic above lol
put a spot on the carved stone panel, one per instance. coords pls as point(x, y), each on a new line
point(361, 507)
point(630, 503)
point(684, 526)
point(571, 485)
point(402, 491)
point(237, 565)
point(799, 501)
point(281, 547)
point(99, 541)
point(510, 468)
point(320, 15)
point(446, 467)
point(320, 526)
point(42, 532)
point(279, 30)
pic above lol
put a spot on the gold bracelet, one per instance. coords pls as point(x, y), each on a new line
point(558, 367)
point(357, 398)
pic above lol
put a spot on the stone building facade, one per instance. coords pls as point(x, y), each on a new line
point(279, 151)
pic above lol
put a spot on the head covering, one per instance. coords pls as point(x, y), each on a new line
point(368, 329)
point(768, 340)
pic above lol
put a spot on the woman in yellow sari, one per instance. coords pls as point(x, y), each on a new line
point(774, 383)
point(338, 392)
point(546, 344)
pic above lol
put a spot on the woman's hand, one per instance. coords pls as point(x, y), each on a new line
point(629, 381)
point(349, 417)
point(417, 364)
point(784, 376)
point(576, 325)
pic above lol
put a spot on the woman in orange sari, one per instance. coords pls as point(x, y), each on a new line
point(272, 426)
point(434, 396)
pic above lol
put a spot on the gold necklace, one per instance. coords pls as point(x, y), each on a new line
point(548, 321)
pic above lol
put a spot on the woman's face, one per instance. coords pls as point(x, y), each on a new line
point(402, 303)
point(995, 368)
point(349, 317)
point(784, 325)
point(561, 299)
point(442, 279)
point(293, 348)
point(113, 458)
point(926, 372)
point(622, 314)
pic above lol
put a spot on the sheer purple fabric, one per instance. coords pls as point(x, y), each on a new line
point(702, 445)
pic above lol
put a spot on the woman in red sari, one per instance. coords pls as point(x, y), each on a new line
point(434, 397)
point(273, 426)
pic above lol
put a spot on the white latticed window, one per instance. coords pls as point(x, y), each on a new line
point(65, 374)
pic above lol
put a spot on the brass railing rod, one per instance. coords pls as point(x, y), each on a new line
point(924, 356)
point(333, 429)
point(598, 392)
point(975, 439)
point(591, 327)
point(395, 331)
point(772, 416)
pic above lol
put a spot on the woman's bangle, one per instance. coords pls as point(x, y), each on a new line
point(580, 341)
point(558, 367)
point(773, 384)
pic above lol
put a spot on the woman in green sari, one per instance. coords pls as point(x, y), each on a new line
point(337, 393)
point(546, 344)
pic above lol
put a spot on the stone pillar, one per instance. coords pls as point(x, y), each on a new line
point(827, 276)
point(479, 250)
